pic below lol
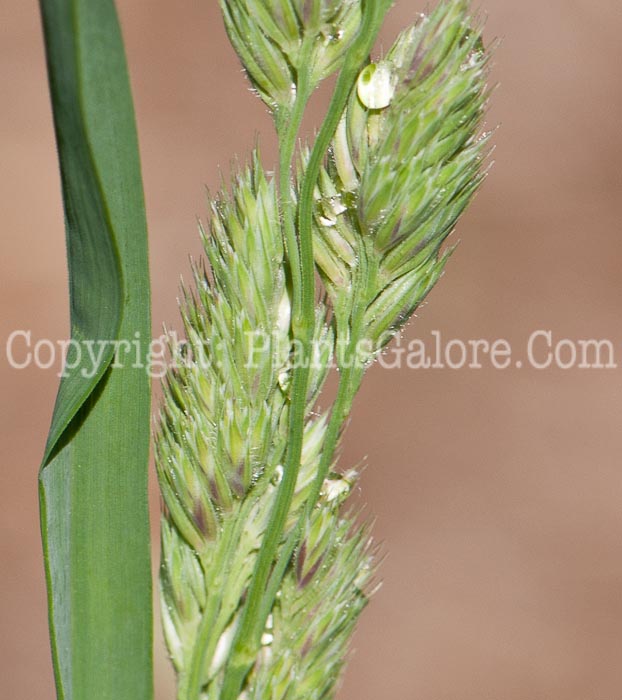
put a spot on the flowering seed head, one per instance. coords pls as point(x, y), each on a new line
point(406, 160)
point(269, 35)
point(220, 447)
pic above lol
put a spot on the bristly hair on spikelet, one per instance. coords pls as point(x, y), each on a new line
point(405, 160)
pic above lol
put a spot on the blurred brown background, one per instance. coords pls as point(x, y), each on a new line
point(498, 494)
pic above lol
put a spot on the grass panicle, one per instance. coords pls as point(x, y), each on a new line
point(402, 166)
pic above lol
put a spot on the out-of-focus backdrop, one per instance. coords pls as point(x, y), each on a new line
point(497, 493)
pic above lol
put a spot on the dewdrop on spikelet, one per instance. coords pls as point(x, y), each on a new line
point(376, 85)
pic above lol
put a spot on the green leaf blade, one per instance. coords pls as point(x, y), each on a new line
point(93, 480)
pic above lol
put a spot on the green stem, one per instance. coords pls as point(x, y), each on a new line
point(190, 684)
point(349, 381)
point(345, 394)
point(303, 313)
point(373, 15)
point(205, 643)
point(352, 370)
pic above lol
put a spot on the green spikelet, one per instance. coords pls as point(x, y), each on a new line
point(276, 39)
point(322, 595)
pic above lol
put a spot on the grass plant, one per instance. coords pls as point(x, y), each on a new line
point(265, 567)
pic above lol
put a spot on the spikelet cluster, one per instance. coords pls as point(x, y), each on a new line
point(276, 39)
point(219, 450)
point(306, 640)
point(405, 161)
